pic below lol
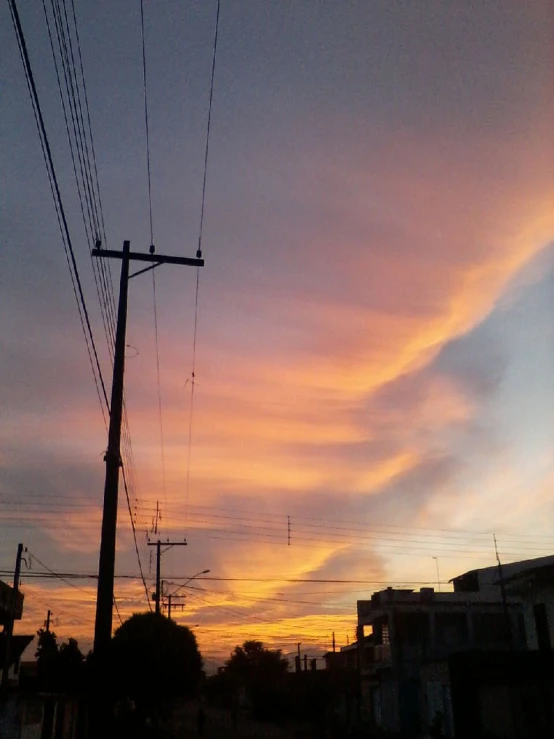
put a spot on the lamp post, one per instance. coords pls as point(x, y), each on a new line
point(184, 585)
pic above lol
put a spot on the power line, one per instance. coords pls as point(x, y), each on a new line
point(160, 414)
point(146, 124)
point(49, 573)
point(203, 513)
point(199, 255)
point(57, 575)
point(267, 535)
point(77, 144)
point(62, 220)
point(117, 611)
point(135, 539)
point(208, 128)
point(87, 185)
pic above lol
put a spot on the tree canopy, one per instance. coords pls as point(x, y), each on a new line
point(59, 667)
point(155, 659)
point(252, 663)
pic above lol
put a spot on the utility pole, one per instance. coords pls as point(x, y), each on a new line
point(158, 545)
point(170, 598)
point(106, 565)
point(438, 575)
point(11, 618)
point(47, 622)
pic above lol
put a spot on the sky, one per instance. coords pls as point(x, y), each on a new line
point(373, 392)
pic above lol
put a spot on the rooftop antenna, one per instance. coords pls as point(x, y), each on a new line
point(503, 592)
point(438, 576)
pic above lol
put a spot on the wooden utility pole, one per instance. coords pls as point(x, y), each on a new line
point(106, 566)
point(158, 545)
point(11, 617)
point(47, 622)
point(170, 598)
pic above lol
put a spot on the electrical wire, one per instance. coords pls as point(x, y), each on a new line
point(146, 123)
point(152, 248)
point(86, 176)
point(135, 540)
point(60, 211)
point(117, 611)
point(199, 255)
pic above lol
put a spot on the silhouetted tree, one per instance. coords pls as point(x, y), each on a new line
point(59, 667)
point(260, 672)
point(253, 663)
point(47, 645)
point(70, 664)
point(47, 658)
point(154, 661)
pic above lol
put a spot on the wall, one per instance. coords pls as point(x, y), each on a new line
point(541, 595)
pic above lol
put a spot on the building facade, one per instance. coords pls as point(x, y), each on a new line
point(409, 629)
point(531, 582)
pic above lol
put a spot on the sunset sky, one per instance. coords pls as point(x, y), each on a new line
point(375, 345)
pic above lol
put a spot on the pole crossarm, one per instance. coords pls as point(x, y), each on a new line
point(152, 258)
point(158, 544)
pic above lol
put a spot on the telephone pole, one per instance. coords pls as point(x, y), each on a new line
point(158, 545)
point(106, 565)
point(47, 622)
point(170, 598)
point(11, 618)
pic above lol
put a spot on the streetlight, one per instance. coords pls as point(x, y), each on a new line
point(172, 595)
point(184, 585)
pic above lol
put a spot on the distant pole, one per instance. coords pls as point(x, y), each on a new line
point(158, 576)
point(334, 648)
point(11, 618)
point(47, 623)
point(438, 575)
point(158, 545)
point(106, 565)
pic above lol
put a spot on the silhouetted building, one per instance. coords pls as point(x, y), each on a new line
point(530, 581)
point(345, 659)
point(411, 628)
point(18, 642)
point(486, 579)
point(7, 602)
point(500, 694)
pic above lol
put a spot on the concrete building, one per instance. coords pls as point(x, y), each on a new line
point(412, 628)
point(499, 695)
point(345, 659)
point(530, 581)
